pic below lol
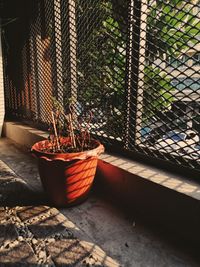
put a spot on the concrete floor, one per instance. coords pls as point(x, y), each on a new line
point(125, 238)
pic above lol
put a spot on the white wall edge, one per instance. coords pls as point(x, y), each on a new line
point(2, 104)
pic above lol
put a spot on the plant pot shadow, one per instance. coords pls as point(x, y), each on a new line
point(25, 198)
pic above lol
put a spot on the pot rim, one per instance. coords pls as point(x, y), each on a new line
point(95, 152)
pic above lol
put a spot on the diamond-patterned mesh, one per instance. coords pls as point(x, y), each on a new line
point(101, 30)
point(134, 63)
point(165, 94)
point(30, 63)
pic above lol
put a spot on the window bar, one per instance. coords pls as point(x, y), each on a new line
point(129, 69)
point(73, 48)
point(38, 67)
point(136, 58)
point(142, 45)
point(58, 49)
point(33, 68)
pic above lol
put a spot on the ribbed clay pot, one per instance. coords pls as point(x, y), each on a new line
point(67, 177)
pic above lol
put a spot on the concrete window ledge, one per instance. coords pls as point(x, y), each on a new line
point(159, 197)
point(26, 136)
point(166, 179)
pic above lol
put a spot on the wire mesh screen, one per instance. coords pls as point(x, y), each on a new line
point(31, 73)
point(101, 29)
point(134, 64)
point(94, 37)
point(165, 84)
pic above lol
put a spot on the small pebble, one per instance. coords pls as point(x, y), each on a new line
point(20, 238)
point(29, 234)
point(34, 241)
point(51, 240)
point(16, 242)
point(42, 254)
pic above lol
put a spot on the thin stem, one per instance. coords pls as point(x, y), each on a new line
point(55, 130)
point(71, 130)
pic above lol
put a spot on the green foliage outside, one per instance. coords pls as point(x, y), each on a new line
point(102, 55)
point(157, 92)
point(101, 61)
point(171, 26)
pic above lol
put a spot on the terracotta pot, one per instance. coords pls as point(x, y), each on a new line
point(67, 177)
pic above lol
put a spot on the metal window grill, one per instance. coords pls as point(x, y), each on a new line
point(134, 64)
point(164, 116)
